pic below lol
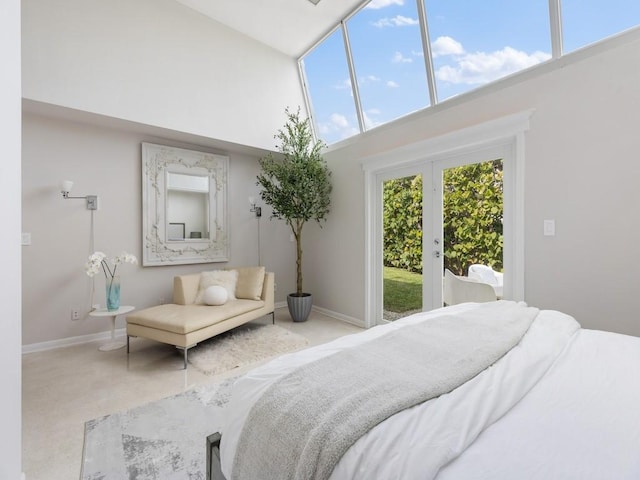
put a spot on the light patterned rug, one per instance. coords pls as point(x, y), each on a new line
point(243, 346)
point(163, 440)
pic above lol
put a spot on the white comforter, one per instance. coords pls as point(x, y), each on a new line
point(554, 432)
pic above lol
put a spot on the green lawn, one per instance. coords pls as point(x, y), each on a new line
point(402, 290)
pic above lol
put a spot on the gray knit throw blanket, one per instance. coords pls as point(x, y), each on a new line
point(303, 423)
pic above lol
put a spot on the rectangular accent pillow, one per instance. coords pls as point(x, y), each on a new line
point(250, 281)
point(224, 278)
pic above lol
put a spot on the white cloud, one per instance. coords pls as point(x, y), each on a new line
point(346, 84)
point(481, 67)
point(369, 79)
point(368, 121)
point(378, 4)
point(392, 84)
point(397, 21)
point(340, 125)
point(446, 46)
point(339, 121)
point(399, 58)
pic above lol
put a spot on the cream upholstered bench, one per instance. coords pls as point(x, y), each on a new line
point(184, 323)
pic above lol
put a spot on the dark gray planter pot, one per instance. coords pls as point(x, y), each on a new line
point(299, 306)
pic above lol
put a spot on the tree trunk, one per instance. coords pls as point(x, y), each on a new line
point(298, 235)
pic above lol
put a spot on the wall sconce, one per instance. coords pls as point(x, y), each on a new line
point(254, 208)
point(92, 200)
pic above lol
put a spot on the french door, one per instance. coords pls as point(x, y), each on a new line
point(433, 172)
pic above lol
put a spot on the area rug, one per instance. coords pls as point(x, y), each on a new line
point(163, 440)
point(243, 346)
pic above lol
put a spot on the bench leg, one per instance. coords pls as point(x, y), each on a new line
point(128, 344)
point(273, 317)
point(184, 352)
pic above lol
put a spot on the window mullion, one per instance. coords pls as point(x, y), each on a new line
point(308, 103)
point(352, 76)
point(555, 22)
point(426, 48)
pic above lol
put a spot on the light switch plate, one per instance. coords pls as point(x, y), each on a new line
point(26, 238)
point(549, 228)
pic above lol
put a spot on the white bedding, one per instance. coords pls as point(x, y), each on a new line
point(556, 367)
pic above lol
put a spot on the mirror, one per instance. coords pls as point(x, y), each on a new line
point(183, 206)
point(187, 206)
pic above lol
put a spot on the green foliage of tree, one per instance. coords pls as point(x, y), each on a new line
point(472, 219)
point(402, 211)
point(297, 186)
point(473, 206)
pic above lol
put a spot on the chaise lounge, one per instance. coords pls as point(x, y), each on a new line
point(184, 322)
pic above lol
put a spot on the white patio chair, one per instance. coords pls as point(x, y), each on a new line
point(486, 274)
point(463, 289)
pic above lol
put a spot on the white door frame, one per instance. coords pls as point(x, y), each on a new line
point(506, 134)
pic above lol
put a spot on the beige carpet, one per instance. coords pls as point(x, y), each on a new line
point(243, 346)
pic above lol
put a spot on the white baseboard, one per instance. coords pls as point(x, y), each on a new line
point(67, 342)
point(339, 316)
point(330, 313)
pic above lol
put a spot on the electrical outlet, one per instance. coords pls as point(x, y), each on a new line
point(75, 315)
point(161, 300)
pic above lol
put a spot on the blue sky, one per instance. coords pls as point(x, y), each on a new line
point(473, 43)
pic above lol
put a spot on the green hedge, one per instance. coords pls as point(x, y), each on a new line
point(472, 227)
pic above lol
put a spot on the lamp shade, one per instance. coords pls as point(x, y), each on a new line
point(67, 185)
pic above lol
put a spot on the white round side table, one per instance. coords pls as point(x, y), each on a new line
point(103, 312)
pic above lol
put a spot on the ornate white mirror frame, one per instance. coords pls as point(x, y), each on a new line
point(160, 246)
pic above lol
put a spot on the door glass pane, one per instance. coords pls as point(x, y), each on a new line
point(588, 21)
point(472, 220)
point(474, 43)
point(329, 90)
point(389, 62)
point(402, 247)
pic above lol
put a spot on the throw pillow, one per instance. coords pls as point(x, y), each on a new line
point(223, 278)
point(250, 280)
point(215, 295)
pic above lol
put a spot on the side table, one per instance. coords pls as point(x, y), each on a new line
point(103, 312)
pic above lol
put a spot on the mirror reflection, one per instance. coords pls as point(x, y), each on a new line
point(187, 207)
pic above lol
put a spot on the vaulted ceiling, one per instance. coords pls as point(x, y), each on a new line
point(290, 26)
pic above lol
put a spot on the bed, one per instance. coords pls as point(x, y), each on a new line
point(562, 402)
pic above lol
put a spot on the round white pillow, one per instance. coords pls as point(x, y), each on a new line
point(215, 295)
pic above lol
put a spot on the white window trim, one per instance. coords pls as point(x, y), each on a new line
point(508, 130)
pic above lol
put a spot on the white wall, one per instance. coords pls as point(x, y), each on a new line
point(106, 162)
point(582, 170)
point(10, 358)
point(159, 63)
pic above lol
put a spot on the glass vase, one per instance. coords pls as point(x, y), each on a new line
point(113, 293)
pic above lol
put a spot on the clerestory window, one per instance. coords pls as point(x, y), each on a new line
point(392, 57)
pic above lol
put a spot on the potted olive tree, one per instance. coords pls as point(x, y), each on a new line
point(297, 186)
